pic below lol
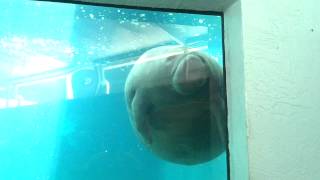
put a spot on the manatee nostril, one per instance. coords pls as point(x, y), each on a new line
point(170, 58)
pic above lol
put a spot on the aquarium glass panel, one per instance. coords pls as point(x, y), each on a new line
point(95, 92)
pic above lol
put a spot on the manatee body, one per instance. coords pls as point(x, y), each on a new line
point(175, 99)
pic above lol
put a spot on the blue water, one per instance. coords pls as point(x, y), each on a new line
point(48, 134)
point(84, 139)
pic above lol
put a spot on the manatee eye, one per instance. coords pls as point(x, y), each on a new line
point(132, 93)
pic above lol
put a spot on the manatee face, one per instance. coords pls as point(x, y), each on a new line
point(175, 100)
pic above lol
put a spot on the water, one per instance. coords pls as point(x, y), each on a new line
point(62, 73)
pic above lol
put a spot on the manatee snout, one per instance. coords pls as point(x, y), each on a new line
point(191, 74)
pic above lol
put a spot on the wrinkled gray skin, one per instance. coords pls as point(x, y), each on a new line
point(176, 104)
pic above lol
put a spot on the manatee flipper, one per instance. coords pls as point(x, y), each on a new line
point(218, 116)
point(142, 124)
point(190, 74)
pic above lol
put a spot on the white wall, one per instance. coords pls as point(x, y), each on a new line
point(282, 86)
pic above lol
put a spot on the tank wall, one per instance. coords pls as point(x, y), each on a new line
point(236, 93)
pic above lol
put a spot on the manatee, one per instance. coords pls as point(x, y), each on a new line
point(176, 102)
